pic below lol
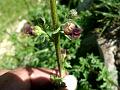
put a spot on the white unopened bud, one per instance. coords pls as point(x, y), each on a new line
point(73, 13)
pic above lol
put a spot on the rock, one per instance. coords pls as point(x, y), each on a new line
point(107, 50)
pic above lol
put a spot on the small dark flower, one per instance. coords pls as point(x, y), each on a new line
point(27, 29)
point(76, 33)
point(72, 31)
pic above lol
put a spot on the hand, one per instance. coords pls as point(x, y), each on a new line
point(27, 79)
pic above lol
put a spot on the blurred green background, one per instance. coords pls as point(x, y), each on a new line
point(95, 17)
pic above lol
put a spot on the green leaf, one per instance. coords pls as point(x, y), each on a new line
point(39, 31)
point(56, 31)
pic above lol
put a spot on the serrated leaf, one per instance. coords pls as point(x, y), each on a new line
point(39, 31)
point(67, 65)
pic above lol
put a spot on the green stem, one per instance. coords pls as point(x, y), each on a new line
point(56, 36)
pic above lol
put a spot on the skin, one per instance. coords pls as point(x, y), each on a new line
point(26, 79)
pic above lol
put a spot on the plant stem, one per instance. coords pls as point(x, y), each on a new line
point(54, 14)
point(56, 36)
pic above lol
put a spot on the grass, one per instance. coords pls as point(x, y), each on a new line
point(12, 11)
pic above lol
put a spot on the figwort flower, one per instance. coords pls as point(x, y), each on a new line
point(68, 27)
point(27, 29)
point(76, 33)
point(71, 30)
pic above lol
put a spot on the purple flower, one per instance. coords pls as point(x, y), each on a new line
point(76, 33)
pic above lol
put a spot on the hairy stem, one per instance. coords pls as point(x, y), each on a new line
point(56, 36)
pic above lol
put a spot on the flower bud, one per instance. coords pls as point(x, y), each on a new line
point(73, 13)
point(63, 53)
